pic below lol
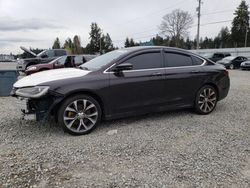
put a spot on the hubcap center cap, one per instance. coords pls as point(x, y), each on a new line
point(81, 115)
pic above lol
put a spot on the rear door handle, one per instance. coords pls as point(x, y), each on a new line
point(195, 71)
point(157, 74)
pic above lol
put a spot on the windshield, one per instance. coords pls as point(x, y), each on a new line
point(103, 60)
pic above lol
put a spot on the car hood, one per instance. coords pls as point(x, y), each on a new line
point(48, 76)
point(28, 51)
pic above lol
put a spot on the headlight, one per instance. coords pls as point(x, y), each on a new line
point(31, 68)
point(32, 92)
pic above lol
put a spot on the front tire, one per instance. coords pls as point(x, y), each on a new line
point(206, 100)
point(79, 114)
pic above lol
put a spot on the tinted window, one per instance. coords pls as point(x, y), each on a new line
point(197, 61)
point(60, 52)
point(50, 53)
point(146, 61)
point(177, 60)
point(218, 56)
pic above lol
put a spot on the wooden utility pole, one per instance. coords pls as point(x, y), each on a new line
point(198, 28)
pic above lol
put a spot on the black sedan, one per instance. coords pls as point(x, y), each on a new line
point(245, 65)
point(126, 82)
point(232, 62)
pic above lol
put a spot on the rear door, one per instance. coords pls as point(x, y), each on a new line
point(141, 88)
point(184, 75)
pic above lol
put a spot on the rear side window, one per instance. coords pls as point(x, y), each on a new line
point(177, 60)
point(197, 61)
point(50, 53)
point(60, 52)
point(146, 61)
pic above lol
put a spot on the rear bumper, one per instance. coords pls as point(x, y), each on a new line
point(223, 87)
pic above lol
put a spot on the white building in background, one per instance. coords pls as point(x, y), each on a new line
point(4, 57)
point(233, 51)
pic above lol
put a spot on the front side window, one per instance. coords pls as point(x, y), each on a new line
point(177, 60)
point(150, 60)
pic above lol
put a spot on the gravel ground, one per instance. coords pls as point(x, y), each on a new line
point(171, 149)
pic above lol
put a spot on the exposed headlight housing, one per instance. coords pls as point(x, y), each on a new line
point(31, 68)
point(32, 92)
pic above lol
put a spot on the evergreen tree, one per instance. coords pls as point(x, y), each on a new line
point(127, 43)
point(77, 48)
point(240, 24)
point(68, 45)
point(108, 44)
point(95, 39)
point(56, 44)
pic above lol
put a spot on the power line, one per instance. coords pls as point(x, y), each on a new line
point(149, 14)
point(153, 35)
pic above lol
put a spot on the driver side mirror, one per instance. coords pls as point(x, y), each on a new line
point(123, 67)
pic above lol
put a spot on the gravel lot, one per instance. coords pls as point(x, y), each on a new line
point(172, 149)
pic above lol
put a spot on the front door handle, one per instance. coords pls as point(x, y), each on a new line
point(157, 74)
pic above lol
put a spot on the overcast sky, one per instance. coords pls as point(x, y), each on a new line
point(33, 23)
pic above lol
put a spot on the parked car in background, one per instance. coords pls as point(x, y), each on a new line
point(245, 65)
point(126, 82)
point(67, 61)
point(45, 56)
point(216, 56)
point(232, 62)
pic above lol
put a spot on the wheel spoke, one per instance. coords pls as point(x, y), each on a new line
point(71, 123)
point(91, 119)
point(69, 118)
point(84, 104)
point(70, 109)
point(93, 114)
point(75, 105)
point(83, 124)
point(79, 126)
point(89, 107)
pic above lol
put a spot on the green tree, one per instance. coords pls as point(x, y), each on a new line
point(225, 38)
point(108, 44)
point(77, 48)
point(68, 45)
point(56, 44)
point(240, 24)
point(127, 43)
point(95, 36)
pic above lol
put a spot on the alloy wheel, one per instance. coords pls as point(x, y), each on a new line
point(207, 100)
point(80, 116)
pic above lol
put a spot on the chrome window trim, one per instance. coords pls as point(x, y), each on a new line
point(163, 68)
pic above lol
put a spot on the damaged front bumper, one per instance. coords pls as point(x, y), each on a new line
point(39, 108)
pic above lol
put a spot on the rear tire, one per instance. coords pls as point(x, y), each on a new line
point(206, 100)
point(79, 114)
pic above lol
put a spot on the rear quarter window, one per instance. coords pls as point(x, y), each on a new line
point(197, 61)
